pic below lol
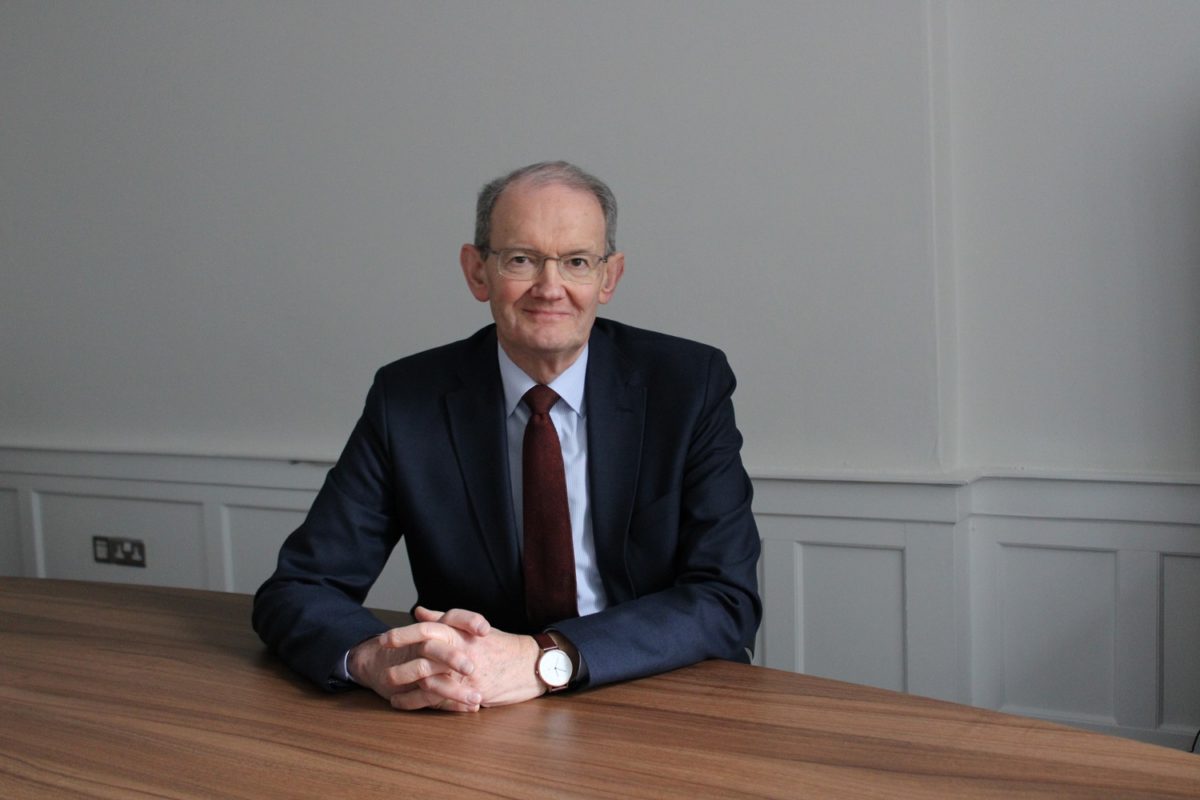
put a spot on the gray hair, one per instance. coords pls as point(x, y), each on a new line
point(541, 174)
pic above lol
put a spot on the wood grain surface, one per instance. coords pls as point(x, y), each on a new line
point(113, 691)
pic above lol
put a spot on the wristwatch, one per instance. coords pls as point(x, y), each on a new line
point(554, 666)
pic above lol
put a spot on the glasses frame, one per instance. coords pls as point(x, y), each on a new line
point(540, 259)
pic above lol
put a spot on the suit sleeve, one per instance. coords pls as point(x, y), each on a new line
point(711, 609)
point(309, 612)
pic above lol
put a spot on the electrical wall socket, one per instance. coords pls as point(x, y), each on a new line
point(117, 550)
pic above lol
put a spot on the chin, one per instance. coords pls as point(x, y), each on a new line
point(554, 336)
point(554, 347)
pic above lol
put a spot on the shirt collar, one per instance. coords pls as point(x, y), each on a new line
point(568, 385)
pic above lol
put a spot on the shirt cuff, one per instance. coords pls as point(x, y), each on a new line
point(341, 670)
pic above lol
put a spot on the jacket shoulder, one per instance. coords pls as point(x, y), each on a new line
point(659, 358)
point(439, 364)
point(644, 344)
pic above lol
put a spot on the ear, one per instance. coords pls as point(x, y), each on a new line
point(613, 270)
point(475, 271)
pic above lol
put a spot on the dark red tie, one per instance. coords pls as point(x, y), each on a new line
point(548, 556)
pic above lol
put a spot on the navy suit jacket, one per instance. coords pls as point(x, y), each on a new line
point(676, 544)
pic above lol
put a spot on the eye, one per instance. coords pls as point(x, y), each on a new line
point(578, 262)
point(519, 260)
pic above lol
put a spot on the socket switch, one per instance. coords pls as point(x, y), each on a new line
point(117, 550)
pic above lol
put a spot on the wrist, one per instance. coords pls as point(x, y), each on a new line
point(542, 687)
point(357, 668)
point(342, 672)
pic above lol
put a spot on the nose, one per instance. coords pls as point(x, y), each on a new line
point(549, 282)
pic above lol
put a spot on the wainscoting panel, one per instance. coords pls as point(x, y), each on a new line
point(1066, 598)
point(173, 533)
point(1085, 606)
point(10, 533)
point(852, 613)
point(1058, 611)
point(254, 536)
point(863, 582)
point(1181, 641)
point(838, 587)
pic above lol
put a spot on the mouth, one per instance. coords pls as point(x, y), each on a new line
point(545, 314)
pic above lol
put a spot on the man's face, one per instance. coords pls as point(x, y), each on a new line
point(543, 323)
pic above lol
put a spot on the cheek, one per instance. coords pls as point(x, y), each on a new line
point(505, 297)
point(586, 299)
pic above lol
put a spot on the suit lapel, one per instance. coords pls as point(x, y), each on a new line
point(616, 410)
point(475, 413)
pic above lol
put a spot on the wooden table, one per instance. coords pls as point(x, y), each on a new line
point(119, 691)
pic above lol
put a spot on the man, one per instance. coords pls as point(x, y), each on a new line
point(606, 538)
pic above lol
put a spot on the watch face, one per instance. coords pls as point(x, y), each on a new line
point(554, 667)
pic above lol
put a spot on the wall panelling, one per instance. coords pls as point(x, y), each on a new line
point(1067, 598)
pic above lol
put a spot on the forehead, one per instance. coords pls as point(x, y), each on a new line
point(535, 213)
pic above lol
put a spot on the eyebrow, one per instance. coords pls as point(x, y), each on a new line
point(573, 252)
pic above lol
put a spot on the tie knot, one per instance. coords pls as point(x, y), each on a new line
point(540, 398)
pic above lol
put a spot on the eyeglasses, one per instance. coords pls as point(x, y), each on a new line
point(526, 265)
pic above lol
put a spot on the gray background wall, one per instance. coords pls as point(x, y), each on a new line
point(932, 237)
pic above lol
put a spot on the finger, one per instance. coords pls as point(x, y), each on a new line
point(453, 690)
point(413, 672)
point(467, 621)
point(417, 633)
point(423, 614)
point(438, 692)
point(450, 655)
point(415, 699)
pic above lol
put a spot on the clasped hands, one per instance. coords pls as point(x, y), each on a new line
point(452, 661)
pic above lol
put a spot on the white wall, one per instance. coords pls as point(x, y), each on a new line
point(932, 237)
point(1076, 203)
point(220, 218)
